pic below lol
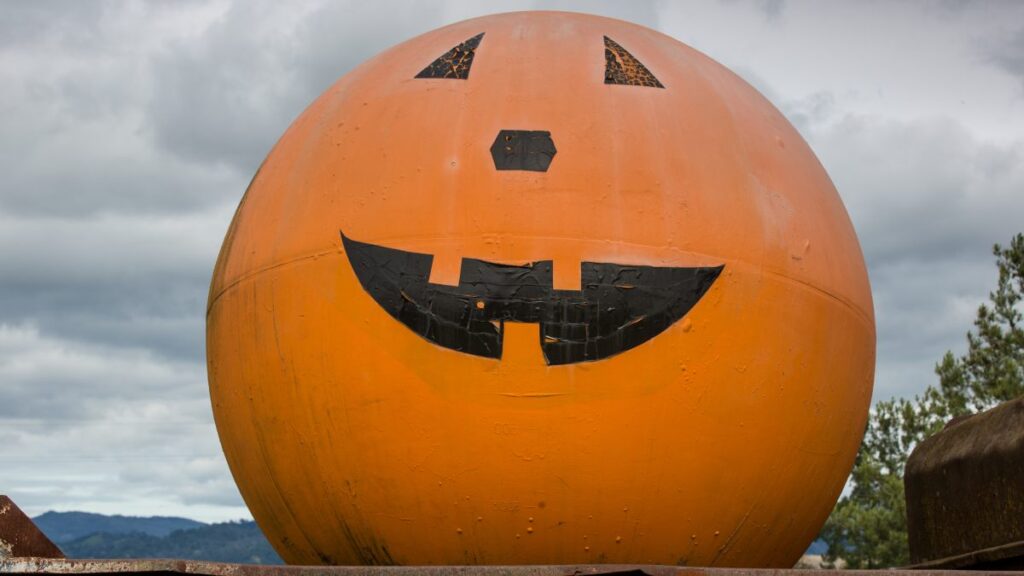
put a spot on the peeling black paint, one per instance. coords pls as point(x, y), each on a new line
point(530, 150)
point(618, 308)
point(621, 67)
point(455, 63)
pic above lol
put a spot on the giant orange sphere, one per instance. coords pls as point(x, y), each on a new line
point(541, 288)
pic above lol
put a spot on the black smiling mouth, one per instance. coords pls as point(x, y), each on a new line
point(619, 307)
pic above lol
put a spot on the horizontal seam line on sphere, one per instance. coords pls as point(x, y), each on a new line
point(856, 309)
point(244, 277)
point(864, 316)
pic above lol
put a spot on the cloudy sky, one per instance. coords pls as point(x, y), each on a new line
point(128, 132)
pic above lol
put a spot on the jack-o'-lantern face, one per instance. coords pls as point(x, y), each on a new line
point(571, 292)
point(617, 308)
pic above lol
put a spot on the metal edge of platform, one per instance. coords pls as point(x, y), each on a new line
point(995, 555)
point(27, 566)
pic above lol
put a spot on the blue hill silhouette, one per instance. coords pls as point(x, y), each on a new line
point(88, 535)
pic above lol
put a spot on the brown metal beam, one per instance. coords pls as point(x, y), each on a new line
point(965, 493)
point(20, 537)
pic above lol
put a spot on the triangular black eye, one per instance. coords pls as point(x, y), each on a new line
point(455, 63)
point(620, 67)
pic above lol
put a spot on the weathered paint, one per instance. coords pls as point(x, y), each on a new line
point(454, 64)
point(621, 67)
point(965, 492)
point(724, 440)
point(19, 535)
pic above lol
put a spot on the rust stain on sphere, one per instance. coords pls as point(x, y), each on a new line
point(541, 288)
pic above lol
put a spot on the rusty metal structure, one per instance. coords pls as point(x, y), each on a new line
point(965, 493)
point(20, 537)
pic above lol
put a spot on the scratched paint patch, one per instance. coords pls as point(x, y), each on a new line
point(621, 67)
point(618, 307)
point(455, 63)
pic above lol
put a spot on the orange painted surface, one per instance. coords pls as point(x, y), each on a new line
point(724, 440)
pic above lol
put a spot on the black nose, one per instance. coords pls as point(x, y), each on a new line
point(523, 150)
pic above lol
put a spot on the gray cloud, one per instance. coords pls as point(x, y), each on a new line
point(928, 199)
point(924, 189)
point(116, 280)
point(227, 94)
point(771, 9)
point(74, 121)
point(70, 21)
point(1007, 53)
point(108, 428)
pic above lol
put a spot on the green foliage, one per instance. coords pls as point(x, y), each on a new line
point(868, 528)
point(993, 369)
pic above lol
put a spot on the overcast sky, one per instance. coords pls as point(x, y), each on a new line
point(128, 132)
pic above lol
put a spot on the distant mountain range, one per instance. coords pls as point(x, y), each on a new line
point(67, 526)
point(86, 535)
